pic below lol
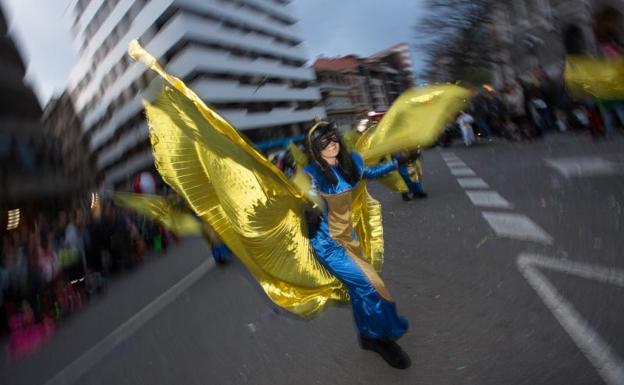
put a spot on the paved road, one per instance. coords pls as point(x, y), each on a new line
point(511, 272)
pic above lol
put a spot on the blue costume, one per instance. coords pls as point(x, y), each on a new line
point(413, 184)
point(221, 253)
point(337, 248)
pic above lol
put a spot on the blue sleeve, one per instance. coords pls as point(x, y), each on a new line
point(373, 172)
point(380, 170)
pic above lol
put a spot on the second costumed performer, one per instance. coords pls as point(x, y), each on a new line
point(335, 173)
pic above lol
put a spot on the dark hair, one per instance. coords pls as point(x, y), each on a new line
point(345, 161)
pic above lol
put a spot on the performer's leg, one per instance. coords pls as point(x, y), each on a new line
point(374, 312)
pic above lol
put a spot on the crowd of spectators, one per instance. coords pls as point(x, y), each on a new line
point(51, 266)
point(525, 109)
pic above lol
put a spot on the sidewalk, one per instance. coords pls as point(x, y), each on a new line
point(127, 294)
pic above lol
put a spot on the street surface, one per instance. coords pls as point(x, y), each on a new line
point(510, 272)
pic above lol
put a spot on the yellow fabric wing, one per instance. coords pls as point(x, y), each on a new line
point(250, 204)
point(367, 223)
point(161, 210)
point(415, 120)
point(301, 159)
point(600, 78)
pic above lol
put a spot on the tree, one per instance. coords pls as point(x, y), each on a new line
point(456, 38)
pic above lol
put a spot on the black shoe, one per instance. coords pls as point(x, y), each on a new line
point(420, 195)
point(390, 351)
point(406, 197)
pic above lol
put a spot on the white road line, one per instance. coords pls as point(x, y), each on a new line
point(488, 199)
point(82, 364)
point(472, 183)
point(462, 171)
point(609, 366)
point(583, 166)
point(516, 226)
point(455, 163)
point(604, 274)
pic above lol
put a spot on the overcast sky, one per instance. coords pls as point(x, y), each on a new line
point(329, 28)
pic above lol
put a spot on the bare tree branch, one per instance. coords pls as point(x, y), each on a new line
point(454, 36)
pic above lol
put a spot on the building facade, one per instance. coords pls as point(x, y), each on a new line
point(244, 57)
point(342, 89)
point(31, 168)
point(61, 122)
point(532, 33)
point(352, 86)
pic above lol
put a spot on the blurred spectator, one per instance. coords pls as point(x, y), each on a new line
point(608, 31)
point(481, 115)
point(464, 121)
point(515, 102)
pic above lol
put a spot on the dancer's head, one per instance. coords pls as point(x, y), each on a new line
point(327, 149)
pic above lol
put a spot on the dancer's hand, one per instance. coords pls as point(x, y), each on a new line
point(313, 218)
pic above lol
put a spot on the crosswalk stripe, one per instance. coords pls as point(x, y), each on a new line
point(488, 199)
point(472, 183)
point(455, 163)
point(516, 226)
point(462, 171)
point(583, 166)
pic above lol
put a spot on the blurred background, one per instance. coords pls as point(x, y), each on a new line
point(80, 278)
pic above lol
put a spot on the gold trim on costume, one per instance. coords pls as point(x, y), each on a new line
point(341, 230)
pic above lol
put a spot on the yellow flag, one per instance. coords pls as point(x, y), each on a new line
point(600, 78)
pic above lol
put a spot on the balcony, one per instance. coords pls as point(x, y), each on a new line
point(192, 27)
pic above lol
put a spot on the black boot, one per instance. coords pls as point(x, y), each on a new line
point(406, 197)
point(420, 195)
point(390, 351)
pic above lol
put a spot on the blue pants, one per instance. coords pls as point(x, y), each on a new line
point(414, 187)
point(374, 316)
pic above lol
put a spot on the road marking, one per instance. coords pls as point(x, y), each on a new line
point(82, 364)
point(472, 183)
point(609, 366)
point(488, 199)
point(516, 226)
point(583, 166)
point(455, 163)
point(462, 171)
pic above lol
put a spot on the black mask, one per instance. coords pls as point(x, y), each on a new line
point(326, 140)
point(324, 135)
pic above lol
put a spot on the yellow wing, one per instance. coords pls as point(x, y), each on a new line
point(350, 138)
point(600, 78)
point(299, 156)
point(161, 210)
point(250, 204)
point(415, 120)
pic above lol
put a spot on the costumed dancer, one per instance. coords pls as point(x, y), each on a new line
point(261, 214)
point(220, 252)
point(334, 173)
point(411, 173)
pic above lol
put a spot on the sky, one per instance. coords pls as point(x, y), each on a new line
point(328, 27)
